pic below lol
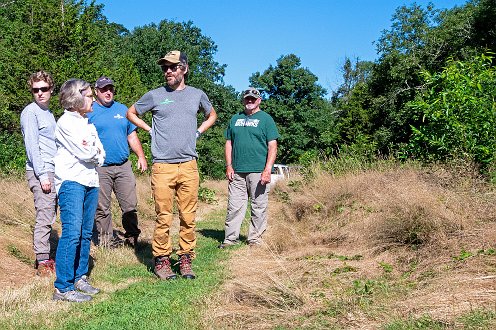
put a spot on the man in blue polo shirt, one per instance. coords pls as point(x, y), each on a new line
point(116, 134)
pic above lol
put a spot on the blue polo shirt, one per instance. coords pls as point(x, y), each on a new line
point(113, 129)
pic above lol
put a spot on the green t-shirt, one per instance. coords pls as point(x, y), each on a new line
point(250, 136)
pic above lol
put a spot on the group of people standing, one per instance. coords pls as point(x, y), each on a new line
point(79, 160)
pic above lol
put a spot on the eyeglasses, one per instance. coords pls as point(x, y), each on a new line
point(172, 67)
point(35, 90)
point(251, 91)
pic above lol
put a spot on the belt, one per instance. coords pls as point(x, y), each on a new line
point(108, 165)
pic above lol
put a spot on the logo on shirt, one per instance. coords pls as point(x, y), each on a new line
point(118, 116)
point(247, 122)
point(166, 101)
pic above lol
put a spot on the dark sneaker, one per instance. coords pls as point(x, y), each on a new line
point(45, 267)
point(185, 267)
point(115, 242)
point(131, 242)
point(71, 296)
point(84, 286)
point(163, 269)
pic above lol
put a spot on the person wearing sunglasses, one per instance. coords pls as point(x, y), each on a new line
point(79, 152)
point(117, 135)
point(38, 130)
point(250, 151)
point(174, 132)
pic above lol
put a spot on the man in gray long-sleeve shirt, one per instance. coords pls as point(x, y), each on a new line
point(38, 130)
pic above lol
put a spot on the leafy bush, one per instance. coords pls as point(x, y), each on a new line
point(13, 156)
point(207, 195)
point(457, 113)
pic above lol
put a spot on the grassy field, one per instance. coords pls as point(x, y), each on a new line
point(132, 296)
point(378, 247)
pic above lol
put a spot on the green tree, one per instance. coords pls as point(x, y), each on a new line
point(297, 104)
point(352, 104)
point(66, 38)
point(419, 39)
point(458, 113)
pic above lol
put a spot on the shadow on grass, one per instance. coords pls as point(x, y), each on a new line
point(143, 252)
point(217, 235)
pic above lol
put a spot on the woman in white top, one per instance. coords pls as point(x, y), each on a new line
point(79, 151)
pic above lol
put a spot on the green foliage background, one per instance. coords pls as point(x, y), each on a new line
point(429, 95)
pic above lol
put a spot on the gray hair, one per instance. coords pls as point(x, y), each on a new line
point(70, 96)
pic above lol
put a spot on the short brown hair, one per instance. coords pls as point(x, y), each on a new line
point(41, 76)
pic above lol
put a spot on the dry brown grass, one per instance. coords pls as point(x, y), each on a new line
point(348, 252)
point(360, 250)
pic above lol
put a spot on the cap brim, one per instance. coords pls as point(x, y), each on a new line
point(166, 60)
point(251, 95)
point(104, 85)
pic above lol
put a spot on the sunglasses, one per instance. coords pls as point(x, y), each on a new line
point(42, 89)
point(251, 91)
point(172, 67)
point(106, 89)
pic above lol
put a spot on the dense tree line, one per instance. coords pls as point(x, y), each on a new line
point(429, 95)
point(431, 89)
point(74, 39)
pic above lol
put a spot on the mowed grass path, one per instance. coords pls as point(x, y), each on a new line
point(133, 298)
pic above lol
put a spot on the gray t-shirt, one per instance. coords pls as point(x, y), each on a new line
point(174, 121)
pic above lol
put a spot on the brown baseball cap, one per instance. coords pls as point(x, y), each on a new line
point(251, 92)
point(174, 57)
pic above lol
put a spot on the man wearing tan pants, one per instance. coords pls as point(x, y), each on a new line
point(251, 149)
point(174, 172)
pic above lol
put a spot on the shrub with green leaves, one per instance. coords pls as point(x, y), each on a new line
point(457, 113)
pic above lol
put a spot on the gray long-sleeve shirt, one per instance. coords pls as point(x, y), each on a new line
point(38, 130)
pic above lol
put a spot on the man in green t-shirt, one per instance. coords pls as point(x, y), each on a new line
point(251, 148)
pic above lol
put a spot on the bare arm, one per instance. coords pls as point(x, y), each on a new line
point(209, 121)
point(271, 158)
point(132, 116)
point(228, 155)
point(135, 145)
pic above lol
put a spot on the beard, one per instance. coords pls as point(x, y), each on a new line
point(174, 81)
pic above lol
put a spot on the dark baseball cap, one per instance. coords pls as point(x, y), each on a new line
point(174, 57)
point(103, 81)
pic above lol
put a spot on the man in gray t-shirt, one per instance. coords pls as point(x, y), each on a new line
point(174, 133)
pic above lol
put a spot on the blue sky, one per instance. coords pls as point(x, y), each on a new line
point(251, 35)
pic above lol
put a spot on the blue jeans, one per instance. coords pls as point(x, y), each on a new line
point(77, 205)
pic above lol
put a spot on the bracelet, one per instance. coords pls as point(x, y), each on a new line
point(198, 134)
point(227, 165)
